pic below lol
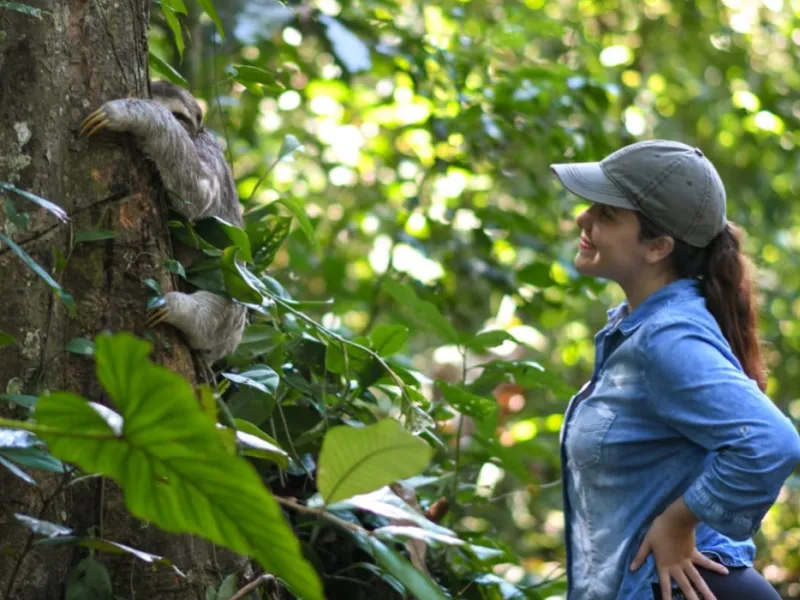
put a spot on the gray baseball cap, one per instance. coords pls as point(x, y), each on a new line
point(674, 185)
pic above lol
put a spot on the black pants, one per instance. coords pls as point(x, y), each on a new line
point(741, 583)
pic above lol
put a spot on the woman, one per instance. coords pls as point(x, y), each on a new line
point(671, 453)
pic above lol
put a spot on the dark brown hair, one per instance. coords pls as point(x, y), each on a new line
point(726, 274)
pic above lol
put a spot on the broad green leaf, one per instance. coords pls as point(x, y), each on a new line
point(152, 449)
point(260, 377)
point(20, 399)
point(260, 445)
point(537, 274)
point(421, 311)
point(228, 588)
point(94, 236)
point(489, 339)
point(289, 146)
point(6, 339)
point(208, 8)
point(89, 580)
point(239, 238)
point(266, 236)
point(467, 403)
point(176, 5)
point(417, 584)
point(44, 528)
point(173, 266)
point(34, 458)
point(17, 471)
point(80, 345)
point(26, 258)
point(158, 65)
point(388, 339)
point(300, 214)
point(20, 220)
point(250, 74)
point(153, 285)
point(359, 460)
point(51, 207)
point(22, 8)
point(174, 24)
point(238, 282)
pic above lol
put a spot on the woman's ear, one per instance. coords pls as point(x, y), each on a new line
point(659, 248)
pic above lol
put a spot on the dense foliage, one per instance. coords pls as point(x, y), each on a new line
point(407, 256)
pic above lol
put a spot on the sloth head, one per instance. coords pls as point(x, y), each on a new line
point(180, 103)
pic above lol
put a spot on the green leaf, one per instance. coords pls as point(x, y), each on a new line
point(289, 146)
point(489, 339)
point(467, 403)
point(44, 528)
point(158, 65)
point(300, 214)
point(176, 267)
point(250, 74)
point(89, 580)
point(176, 5)
point(359, 460)
point(153, 285)
point(94, 236)
point(34, 458)
point(117, 548)
point(80, 345)
point(260, 377)
point(17, 471)
point(266, 236)
point(239, 237)
point(537, 274)
point(174, 24)
point(260, 445)
point(26, 258)
point(388, 339)
point(20, 399)
point(6, 339)
point(51, 207)
point(417, 584)
point(423, 312)
point(238, 281)
point(152, 449)
point(228, 588)
point(23, 8)
point(208, 8)
point(18, 219)
point(404, 532)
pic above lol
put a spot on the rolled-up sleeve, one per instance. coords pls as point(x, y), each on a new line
point(696, 387)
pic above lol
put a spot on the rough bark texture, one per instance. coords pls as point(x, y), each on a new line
point(53, 72)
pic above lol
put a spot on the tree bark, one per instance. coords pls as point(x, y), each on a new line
point(53, 72)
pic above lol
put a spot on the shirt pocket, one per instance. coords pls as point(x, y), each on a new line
point(585, 443)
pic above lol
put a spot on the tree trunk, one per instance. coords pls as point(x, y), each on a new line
point(54, 71)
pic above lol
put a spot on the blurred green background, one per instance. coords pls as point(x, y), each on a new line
point(428, 129)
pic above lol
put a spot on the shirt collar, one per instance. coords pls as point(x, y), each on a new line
point(621, 317)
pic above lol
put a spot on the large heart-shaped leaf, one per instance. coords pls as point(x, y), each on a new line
point(170, 460)
point(357, 460)
point(421, 311)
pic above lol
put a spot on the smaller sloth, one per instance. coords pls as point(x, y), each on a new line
point(169, 130)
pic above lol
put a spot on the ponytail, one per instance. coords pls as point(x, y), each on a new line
point(726, 275)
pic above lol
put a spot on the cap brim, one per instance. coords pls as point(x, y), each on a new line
point(588, 181)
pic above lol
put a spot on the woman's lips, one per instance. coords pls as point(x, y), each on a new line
point(585, 244)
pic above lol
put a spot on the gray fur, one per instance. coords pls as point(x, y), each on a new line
point(193, 169)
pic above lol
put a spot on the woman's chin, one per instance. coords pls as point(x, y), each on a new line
point(585, 265)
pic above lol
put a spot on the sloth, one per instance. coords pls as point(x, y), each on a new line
point(169, 130)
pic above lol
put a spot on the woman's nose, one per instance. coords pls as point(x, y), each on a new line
point(584, 219)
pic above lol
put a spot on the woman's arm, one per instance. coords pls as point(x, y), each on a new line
point(696, 386)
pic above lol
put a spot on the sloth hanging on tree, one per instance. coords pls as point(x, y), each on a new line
point(169, 130)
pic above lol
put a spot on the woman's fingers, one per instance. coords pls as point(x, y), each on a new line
point(699, 584)
point(683, 582)
point(665, 583)
point(703, 561)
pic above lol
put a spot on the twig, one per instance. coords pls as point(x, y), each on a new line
point(266, 577)
point(321, 514)
point(459, 431)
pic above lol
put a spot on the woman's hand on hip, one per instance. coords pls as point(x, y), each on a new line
point(671, 540)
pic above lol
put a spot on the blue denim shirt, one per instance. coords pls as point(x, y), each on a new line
point(667, 412)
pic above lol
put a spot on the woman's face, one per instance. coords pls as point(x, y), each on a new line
point(609, 245)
